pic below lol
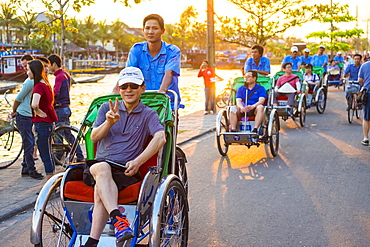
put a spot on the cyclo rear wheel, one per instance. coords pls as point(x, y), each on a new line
point(52, 220)
point(11, 148)
point(321, 101)
point(274, 137)
point(222, 146)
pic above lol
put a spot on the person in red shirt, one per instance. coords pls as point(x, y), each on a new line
point(44, 114)
point(210, 79)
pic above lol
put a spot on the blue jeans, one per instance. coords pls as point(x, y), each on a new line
point(210, 99)
point(24, 125)
point(63, 117)
point(43, 131)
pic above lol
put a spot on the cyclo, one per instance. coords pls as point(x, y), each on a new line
point(317, 96)
point(157, 206)
point(334, 78)
point(299, 107)
point(268, 132)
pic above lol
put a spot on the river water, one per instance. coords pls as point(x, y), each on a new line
point(191, 89)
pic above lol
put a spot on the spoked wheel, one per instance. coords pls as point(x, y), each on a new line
point(222, 99)
point(351, 109)
point(180, 169)
point(54, 222)
point(62, 139)
point(321, 101)
point(302, 113)
point(274, 135)
point(222, 146)
point(173, 225)
point(11, 148)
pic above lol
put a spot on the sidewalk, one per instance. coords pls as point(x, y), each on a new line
point(18, 194)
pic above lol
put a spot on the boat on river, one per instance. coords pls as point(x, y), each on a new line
point(87, 79)
point(4, 86)
point(93, 66)
point(10, 64)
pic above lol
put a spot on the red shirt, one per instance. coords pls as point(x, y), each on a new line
point(207, 74)
point(45, 103)
point(285, 78)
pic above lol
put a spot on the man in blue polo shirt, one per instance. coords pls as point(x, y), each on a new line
point(364, 81)
point(257, 62)
point(294, 59)
point(249, 100)
point(306, 58)
point(320, 59)
point(352, 70)
point(159, 61)
point(339, 58)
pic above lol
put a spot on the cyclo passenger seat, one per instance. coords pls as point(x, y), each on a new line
point(76, 189)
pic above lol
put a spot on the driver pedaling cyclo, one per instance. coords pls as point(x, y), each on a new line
point(249, 102)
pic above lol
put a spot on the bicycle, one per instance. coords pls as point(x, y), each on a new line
point(353, 107)
point(12, 146)
point(10, 140)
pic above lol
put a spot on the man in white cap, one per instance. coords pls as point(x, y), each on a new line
point(306, 58)
point(320, 59)
point(294, 59)
point(121, 130)
point(339, 58)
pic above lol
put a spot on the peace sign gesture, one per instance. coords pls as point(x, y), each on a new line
point(112, 115)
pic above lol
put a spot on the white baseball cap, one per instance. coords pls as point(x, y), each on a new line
point(339, 52)
point(294, 48)
point(306, 50)
point(130, 75)
point(322, 46)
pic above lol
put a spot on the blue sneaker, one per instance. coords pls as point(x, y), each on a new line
point(122, 228)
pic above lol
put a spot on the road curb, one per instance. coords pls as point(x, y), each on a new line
point(17, 211)
point(196, 136)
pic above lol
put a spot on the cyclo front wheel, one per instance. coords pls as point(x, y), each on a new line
point(11, 148)
point(222, 146)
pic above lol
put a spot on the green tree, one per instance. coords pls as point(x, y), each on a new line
point(7, 18)
point(333, 15)
point(103, 33)
point(118, 35)
point(264, 20)
point(88, 32)
point(27, 24)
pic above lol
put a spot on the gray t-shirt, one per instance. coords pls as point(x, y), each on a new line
point(127, 138)
point(24, 97)
point(364, 73)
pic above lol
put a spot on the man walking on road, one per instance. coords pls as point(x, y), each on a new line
point(61, 96)
point(23, 117)
point(364, 81)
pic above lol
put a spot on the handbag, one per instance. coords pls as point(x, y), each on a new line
point(363, 97)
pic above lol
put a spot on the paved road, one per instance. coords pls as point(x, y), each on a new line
point(314, 193)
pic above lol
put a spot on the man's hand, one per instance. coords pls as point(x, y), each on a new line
point(112, 115)
point(132, 168)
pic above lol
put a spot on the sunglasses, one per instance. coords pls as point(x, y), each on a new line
point(126, 85)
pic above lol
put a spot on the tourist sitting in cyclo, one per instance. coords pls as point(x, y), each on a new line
point(333, 68)
point(312, 79)
point(249, 102)
point(121, 130)
point(287, 85)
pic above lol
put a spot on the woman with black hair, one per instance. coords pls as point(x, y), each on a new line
point(44, 114)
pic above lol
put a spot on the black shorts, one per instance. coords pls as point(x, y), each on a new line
point(249, 114)
point(119, 177)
